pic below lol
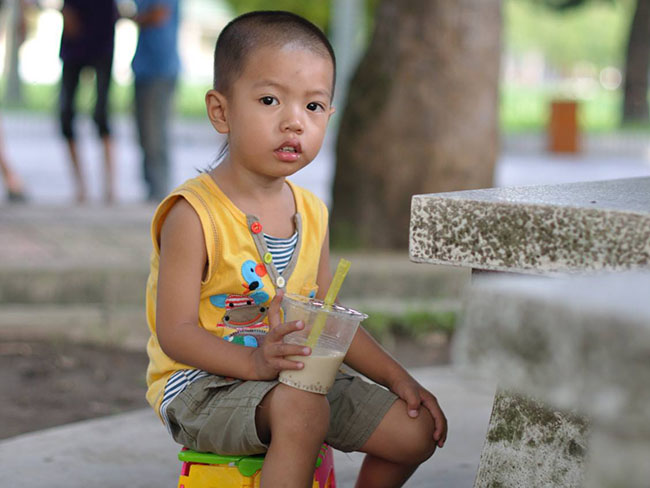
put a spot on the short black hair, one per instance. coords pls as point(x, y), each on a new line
point(252, 30)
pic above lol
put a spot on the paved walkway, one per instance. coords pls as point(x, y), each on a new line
point(37, 153)
point(49, 249)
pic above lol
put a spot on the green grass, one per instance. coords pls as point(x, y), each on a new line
point(189, 98)
point(414, 323)
point(527, 109)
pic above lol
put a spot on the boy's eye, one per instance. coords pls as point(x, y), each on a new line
point(315, 107)
point(268, 101)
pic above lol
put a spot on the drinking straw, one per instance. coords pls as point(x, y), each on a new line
point(332, 292)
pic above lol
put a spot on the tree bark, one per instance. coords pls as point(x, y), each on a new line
point(421, 117)
point(637, 63)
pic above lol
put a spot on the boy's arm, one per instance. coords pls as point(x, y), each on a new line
point(183, 257)
point(367, 357)
point(365, 354)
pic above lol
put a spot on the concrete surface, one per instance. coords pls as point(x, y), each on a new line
point(569, 227)
point(80, 273)
point(578, 344)
point(37, 153)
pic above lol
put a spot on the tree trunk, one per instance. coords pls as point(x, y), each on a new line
point(637, 63)
point(421, 117)
point(13, 95)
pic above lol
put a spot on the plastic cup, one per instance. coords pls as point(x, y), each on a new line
point(321, 365)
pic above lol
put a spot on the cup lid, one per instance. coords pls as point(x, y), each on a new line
point(315, 305)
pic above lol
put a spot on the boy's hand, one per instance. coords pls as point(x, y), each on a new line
point(416, 395)
point(269, 358)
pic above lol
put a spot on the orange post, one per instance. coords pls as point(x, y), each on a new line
point(563, 131)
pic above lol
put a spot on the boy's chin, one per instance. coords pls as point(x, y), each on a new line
point(285, 169)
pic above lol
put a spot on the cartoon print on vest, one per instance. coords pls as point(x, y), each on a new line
point(245, 312)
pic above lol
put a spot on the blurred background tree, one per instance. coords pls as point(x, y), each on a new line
point(316, 12)
point(421, 116)
point(320, 13)
point(636, 52)
point(637, 65)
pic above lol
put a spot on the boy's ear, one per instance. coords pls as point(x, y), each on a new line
point(217, 107)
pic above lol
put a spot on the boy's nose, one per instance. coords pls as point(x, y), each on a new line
point(292, 122)
point(292, 125)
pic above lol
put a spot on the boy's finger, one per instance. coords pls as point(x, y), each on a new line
point(440, 434)
point(277, 332)
point(440, 431)
point(412, 404)
point(274, 310)
point(288, 364)
point(281, 349)
point(289, 327)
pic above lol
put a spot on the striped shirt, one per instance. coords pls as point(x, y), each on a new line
point(282, 251)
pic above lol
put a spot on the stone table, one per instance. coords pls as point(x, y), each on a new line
point(602, 225)
point(580, 344)
point(550, 230)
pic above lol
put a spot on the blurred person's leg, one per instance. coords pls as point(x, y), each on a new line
point(141, 114)
point(69, 82)
point(12, 182)
point(153, 104)
point(103, 69)
point(109, 173)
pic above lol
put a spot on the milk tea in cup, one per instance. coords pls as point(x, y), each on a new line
point(321, 366)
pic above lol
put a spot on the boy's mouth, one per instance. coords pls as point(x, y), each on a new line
point(289, 151)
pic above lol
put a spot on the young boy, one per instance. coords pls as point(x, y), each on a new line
point(229, 243)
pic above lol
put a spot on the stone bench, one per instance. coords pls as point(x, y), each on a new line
point(579, 344)
point(552, 230)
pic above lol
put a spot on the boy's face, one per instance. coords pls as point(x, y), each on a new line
point(277, 111)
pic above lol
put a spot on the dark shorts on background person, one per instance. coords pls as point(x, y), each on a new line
point(70, 75)
point(215, 414)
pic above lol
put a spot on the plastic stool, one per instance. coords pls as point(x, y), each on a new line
point(206, 470)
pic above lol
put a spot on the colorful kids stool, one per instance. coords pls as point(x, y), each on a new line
point(206, 470)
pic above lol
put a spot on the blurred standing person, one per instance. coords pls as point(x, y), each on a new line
point(156, 65)
point(12, 182)
point(87, 42)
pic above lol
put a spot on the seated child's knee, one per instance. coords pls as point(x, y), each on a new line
point(418, 443)
point(301, 410)
point(424, 444)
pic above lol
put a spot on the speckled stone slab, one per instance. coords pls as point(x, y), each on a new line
point(603, 225)
point(579, 344)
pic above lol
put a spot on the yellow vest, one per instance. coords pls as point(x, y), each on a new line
point(241, 278)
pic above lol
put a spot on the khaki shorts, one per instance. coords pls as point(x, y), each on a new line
point(215, 414)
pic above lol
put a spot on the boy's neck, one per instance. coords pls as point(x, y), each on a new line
point(249, 191)
point(246, 182)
